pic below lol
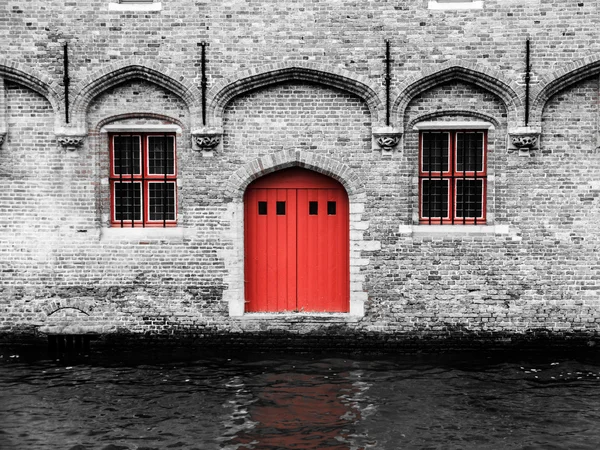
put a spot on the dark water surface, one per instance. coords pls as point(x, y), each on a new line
point(261, 401)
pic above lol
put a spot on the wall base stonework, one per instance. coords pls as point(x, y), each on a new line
point(202, 342)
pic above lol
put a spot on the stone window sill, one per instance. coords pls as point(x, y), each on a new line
point(440, 231)
point(134, 7)
point(141, 235)
point(433, 4)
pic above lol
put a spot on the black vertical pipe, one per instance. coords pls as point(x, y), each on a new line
point(203, 82)
point(527, 80)
point(66, 80)
point(388, 81)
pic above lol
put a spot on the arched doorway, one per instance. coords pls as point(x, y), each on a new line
point(296, 241)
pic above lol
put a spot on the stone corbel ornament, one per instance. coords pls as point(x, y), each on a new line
point(207, 140)
point(70, 139)
point(524, 139)
point(386, 139)
point(2, 137)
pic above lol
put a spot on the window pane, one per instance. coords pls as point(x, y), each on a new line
point(126, 154)
point(469, 198)
point(313, 208)
point(161, 201)
point(434, 155)
point(331, 208)
point(280, 208)
point(158, 158)
point(434, 198)
point(262, 208)
point(128, 201)
point(469, 152)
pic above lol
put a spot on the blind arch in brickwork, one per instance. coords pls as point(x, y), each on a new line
point(94, 85)
point(222, 93)
point(560, 80)
point(34, 80)
point(485, 78)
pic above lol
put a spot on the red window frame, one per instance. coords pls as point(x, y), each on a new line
point(144, 178)
point(453, 176)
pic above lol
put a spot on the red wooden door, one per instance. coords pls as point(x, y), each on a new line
point(297, 243)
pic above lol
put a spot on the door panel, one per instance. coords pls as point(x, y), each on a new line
point(322, 251)
point(270, 242)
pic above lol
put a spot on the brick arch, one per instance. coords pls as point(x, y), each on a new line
point(85, 306)
point(241, 178)
point(452, 112)
point(68, 307)
point(485, 78)
point(135, 115)
point(34, 80)
point(559, 80)
point(97, 83)
point(222, 93)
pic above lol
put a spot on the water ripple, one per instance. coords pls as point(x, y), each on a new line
point(310, 402)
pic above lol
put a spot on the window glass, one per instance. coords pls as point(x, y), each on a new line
point(161, 201)
point(469, 198)
point(126, 154)
point(469, 152)
point(262, 208)
point(435, 198)
point(331, 208)
point(128, 201)
point(280, 208)
point(161, 154)
point(435, 152)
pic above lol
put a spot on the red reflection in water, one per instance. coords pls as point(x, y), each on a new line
point(300, 411)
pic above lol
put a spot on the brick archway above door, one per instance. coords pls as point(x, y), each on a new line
point(296, 242)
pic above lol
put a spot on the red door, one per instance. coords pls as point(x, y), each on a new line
point(297, 243)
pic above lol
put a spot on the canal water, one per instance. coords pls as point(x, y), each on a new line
point(319, 401)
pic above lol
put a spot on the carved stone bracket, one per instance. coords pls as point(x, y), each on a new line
point(524, 139)
point(386, 138)
point(2, 137)
point(207, 139)
point(70, 139)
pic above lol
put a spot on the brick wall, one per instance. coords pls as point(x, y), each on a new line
point(299, 83)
